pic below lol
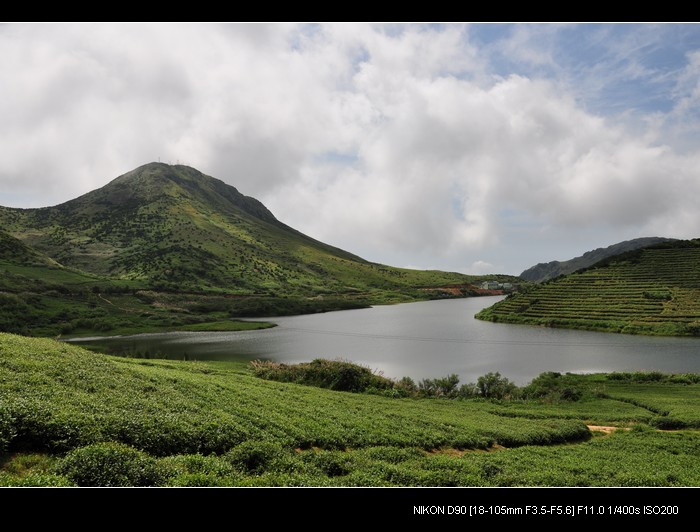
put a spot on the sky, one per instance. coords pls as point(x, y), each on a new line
point(482, 148)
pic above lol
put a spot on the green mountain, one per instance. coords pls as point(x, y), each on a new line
point(169, 246)
point(654, 290)
point(549, 270)
point(174, 227)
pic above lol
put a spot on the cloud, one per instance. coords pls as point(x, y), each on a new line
point(455, 155)
point(405, 144)
point(480, 267)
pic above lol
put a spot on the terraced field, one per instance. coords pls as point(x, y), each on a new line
point(651, 291)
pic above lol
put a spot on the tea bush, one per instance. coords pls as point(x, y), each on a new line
point(7, 427)
point(255, 456)
point(110, 464)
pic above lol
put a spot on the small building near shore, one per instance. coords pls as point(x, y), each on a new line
point(495, 285)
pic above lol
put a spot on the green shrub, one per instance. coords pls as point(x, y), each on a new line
point(571, 394)
point(639, 376)
point(490, 470)
point(35, 480)
point(493, 386)
point(255, 456)
point(331, 463)
point(551, 386)
point(391, 393)
point(543, 385)
point(110, 464)
point(284, 479)
point(660, 295)
point(427, 388)
point(7, 427)
point(468, 391)
point(685, 378)
point(201, 480)
point(443, 387)
point(333, 374)
point(184, 464)
point(667, 423)
point(393, 455)
point(448, 385)
point(407, 386)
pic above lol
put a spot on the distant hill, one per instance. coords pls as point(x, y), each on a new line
point(167, 245)
point(654, 290)
point(549, 270)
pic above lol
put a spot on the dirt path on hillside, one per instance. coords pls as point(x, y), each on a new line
point(131, 311)
point(607, 429)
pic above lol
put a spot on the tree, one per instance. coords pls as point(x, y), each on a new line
point(444, 387)
point(447, 386)
point(493, 386)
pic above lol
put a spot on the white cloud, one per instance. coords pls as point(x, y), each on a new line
point(480, 267)
point(395, 143)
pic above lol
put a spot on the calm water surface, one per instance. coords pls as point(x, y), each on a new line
point(426, 340)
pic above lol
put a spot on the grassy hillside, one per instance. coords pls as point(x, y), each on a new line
point(55, 301)
point(175, 228)
point(69, 416)
point(166, 246)
point(650, 291)
point(549, 270)
point(40, 300)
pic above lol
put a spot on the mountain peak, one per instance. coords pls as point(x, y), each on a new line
point(157, 169)
point(173, 228)
point(156, 181)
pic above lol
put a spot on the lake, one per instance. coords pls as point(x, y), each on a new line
point(426, 340)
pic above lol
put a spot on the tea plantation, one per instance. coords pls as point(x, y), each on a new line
point(72, 417)
point(650, 291)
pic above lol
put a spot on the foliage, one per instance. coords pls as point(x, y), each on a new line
point(468, 391)
point(640, 457)
point(109, 464)
point(254, 456)
point(553, 386)
point(44, 480)
point(494, 386)
point(135, 422)
point(63, 397)
point(332, 374)
point(7, 425)
point(655, 376)
point(442, 387)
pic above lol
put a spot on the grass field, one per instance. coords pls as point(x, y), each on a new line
point(53, 301)
point(69, 416)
